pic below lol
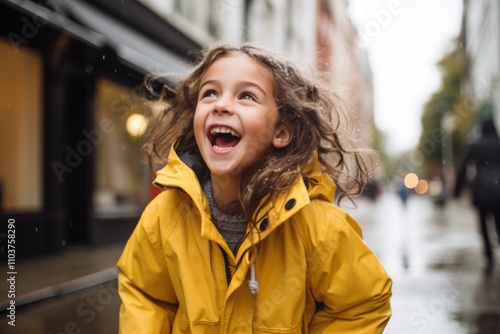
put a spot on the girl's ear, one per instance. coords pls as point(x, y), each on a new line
point(282, 137)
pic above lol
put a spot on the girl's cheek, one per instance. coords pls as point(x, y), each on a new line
point(197, 123)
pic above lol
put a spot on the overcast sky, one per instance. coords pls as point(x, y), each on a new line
point(404, 48)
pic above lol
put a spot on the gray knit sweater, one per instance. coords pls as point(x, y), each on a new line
point(232, 227)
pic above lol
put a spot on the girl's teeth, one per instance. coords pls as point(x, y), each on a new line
point(223, 130)
point(218, 148)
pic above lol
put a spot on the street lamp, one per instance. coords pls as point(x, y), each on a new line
point(136, 125)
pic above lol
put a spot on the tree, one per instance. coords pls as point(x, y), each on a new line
point(444, 106)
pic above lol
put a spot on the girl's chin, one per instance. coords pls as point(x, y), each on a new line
point(224, 171)
point(221, 172)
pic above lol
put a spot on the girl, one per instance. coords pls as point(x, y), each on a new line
point(244, 237)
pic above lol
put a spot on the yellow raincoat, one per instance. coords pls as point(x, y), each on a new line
point(315, 273)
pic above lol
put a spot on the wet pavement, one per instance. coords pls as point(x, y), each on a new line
point(434, 257)
point(72, 293)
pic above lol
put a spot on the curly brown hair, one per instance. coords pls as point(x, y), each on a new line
point(315, 114)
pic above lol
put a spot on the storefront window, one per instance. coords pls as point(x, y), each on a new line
point(122, 176)
point(20, 129)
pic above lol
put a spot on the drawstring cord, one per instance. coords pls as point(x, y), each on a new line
point(252, 283)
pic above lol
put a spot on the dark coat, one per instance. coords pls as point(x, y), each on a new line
point(484, 155)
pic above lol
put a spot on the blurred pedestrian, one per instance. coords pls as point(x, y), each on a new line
point(483, 155)
point(403, 193)
point(250, 240)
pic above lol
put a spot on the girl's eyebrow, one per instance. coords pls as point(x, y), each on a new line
point(240, 83)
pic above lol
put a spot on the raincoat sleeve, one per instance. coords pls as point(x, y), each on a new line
point(148, 299)
point(351, 288)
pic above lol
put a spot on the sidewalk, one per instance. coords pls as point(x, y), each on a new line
point(435, 260)
point(74, 269)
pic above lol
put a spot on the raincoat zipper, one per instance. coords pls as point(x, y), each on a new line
point(226, 265)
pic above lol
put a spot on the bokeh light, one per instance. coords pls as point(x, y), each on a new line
point(411, 180)
point(136, 125)
point(435, 187)
point(421, 187)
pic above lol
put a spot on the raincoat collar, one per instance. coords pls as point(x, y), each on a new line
point(317, 185)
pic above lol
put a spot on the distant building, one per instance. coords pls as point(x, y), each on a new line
point(343, 63)
point(481, 39)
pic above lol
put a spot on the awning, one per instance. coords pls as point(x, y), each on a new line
point(130, 45)
point(101, 30)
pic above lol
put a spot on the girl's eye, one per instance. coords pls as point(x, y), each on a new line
point(209, 93)
point(248, 96)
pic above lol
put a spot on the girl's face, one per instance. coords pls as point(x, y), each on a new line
point(236, 116)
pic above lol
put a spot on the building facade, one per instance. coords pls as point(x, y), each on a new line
point(71, 170)
point(318, 34)
point(481, 39)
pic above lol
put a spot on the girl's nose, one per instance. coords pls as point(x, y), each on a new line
point(223, 106)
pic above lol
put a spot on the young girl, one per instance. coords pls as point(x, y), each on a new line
point(244, 237)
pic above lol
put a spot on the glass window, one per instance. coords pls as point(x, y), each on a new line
point(122, 175)
point(20, 129)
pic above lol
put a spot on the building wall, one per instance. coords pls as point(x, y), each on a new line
point(71, 173)
point(189, 16)
point(482, 46)
point(348, 71)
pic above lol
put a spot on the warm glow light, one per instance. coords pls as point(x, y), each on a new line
point(136, 125)
point(411, 180)
point(422, 187)
point(435, 188)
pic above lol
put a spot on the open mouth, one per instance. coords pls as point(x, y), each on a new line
point(223, 138)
